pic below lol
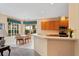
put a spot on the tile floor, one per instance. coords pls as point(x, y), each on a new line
point(28, 45)
point(21, 52)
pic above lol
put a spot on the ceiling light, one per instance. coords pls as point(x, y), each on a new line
point(63, 18)
point(51, 3)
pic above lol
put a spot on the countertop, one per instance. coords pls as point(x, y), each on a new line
point(53, 37)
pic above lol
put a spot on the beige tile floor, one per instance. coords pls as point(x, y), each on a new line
point(28, 45)
point(21, 52)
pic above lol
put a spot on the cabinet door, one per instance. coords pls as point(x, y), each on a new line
point(43, 25)
point(50, 25)
point(64, 23)
point(56, 25)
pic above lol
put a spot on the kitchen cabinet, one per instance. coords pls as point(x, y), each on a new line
point(53, 24)
point(50, 25)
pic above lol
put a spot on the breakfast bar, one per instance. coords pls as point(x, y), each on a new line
point(53, 46)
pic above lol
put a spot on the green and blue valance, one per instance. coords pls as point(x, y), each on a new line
point(30, 22)
point(10, 20)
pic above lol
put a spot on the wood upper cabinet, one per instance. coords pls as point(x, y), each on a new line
point(50, 25)
point(53, 24)
point(64, 23)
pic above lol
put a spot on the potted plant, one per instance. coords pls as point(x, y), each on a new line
point(70, 32)
point(27, 31)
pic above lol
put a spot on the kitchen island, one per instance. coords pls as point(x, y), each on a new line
point(53, 46)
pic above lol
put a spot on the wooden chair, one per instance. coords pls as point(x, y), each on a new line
point(19, 39)
point(27, 38)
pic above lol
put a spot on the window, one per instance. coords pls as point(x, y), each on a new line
point(1, 26)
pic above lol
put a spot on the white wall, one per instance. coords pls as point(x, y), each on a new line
point(3, 19)
point(22, 28)
point(74, 24)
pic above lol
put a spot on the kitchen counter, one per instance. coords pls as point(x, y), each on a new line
point(53, 45)
point(54, 37)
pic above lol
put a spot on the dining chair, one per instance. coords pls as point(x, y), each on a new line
point(27, 38)
point(19, 39)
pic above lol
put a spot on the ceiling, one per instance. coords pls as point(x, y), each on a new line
point(34, 10)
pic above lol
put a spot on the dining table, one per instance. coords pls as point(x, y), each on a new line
point(25, 38)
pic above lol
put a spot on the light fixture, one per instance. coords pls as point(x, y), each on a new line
point(63, 18)
point(51, 3)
